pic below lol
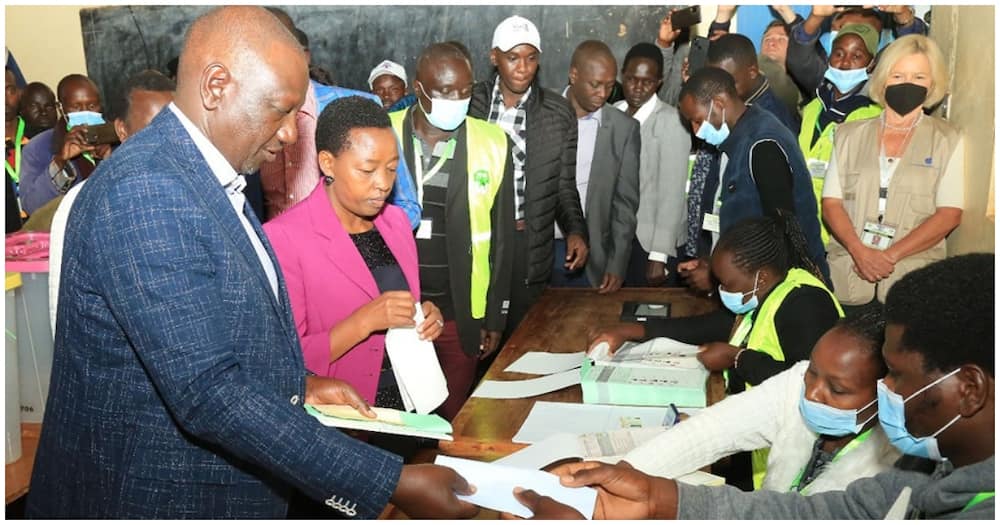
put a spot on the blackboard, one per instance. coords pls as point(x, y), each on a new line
point(350, 40)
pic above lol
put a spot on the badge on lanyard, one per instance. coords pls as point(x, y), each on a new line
point(877, 235)
point(817, 168)
point(426, 229)
point(711, 223)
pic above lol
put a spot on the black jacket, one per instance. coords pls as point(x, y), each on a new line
point(550, 172)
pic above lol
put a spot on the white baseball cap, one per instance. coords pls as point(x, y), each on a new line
point(515, 31)
point(387, 67)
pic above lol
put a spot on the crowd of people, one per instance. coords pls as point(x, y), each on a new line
point(241, 240)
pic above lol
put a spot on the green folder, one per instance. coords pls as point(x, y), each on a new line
point(388, 421)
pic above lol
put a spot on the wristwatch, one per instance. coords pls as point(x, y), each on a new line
point(62, 178)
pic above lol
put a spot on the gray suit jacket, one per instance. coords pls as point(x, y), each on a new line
point(663, 165)
point(612, 195)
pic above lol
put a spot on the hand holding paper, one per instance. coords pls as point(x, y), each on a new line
point(415, 364)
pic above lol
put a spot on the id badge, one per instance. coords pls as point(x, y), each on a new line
point(817, 168)
point(877, 235)
point(425, 229)
point(711, 222)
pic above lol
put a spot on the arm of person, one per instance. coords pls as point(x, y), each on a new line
point(696, 330)
point(723, 19)
point(905, 20)
point(805, 60)
point(671, 203)
point(501, 249)
point(171, 305)
point(804, 316)
point(673, 61)
point(35, 185)
point(746, 421)
point(771, 173)
point(404, 194)
point(625, 204)
point(569, 210)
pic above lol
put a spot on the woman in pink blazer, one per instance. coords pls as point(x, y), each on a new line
point(348, 258)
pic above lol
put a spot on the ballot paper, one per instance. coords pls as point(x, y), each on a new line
point(546, 362)
point(495, 487)
point(655, 353)
point(387, 421)
point(550, 418)
point(527, 387)
point(415, 364)
point(599, 446)
point(644, 386)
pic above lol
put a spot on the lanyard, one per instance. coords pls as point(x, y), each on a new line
point(449, 151)
point(977, 499)
point(853, 444)
point(15, 171)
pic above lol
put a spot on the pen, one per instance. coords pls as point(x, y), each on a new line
point(677, 415)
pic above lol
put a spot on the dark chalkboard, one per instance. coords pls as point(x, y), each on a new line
point(351, 40)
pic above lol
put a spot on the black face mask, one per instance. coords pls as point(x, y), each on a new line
point(904, 98)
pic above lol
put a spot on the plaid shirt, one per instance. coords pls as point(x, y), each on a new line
point(514, 123)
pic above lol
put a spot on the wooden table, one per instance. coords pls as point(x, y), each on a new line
point(558, 322)
point(18, 474)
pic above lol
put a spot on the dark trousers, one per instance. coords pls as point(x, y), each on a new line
point(458, 367)
point(561, 277)
point(636, 275)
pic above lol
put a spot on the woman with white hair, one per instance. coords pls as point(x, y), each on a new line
point(895, 186)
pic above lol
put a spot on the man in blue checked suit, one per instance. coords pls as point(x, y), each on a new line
point(178, 382)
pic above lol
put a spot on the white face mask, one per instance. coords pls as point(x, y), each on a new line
point(445, 114)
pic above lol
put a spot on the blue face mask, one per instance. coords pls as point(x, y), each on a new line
point(829, 421)
point(83, 118)
point(892, 417)
point(734, 300)
point(846, 79)
point(445, 114)
point(710, 133)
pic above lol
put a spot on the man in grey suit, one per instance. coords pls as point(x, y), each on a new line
point(663, 164)
point(178, 380)
point(607, 171)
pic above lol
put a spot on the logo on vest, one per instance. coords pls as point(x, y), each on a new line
point(482, 180)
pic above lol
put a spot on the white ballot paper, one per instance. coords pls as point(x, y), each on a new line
point(546, 362)
point(661, 352)
point(549, 418)
point(495, 487)
point(415, 364)
point(608, 447)
point(527, 387)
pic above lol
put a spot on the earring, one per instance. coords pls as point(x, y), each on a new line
point(328, 180)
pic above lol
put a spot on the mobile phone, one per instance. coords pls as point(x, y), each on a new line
point(101, 134)
point(686, 17)
point(698, 54)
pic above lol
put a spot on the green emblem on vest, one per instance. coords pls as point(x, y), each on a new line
point(482, 180)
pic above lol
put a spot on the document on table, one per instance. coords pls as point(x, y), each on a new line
point(546, 362)
point(527, 387)
point(600, 446)
point(549, 418)
point(661, 352)
point(495, 487)
point(415, 364)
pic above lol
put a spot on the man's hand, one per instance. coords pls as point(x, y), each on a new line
point(576, 251)
point(433, 323)
point(74, 144)
point(611, 284)
point(901, 14)
point(697, 275)
point(623, 492)
point(614, 335)
point(330, 391)
point(665, 38)
point(870, 264)
point(542, 507)
point(785, 12)
point(717, 357)
point(724, 13)
point(656, 273)
point(428, 491)
point(824, 11)
point(488, 343)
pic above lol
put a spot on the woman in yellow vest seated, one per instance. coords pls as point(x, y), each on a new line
point(841, 97)
point(895, 186)
point(819, 418)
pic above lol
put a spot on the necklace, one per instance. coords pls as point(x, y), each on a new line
point(886, 125)
point(903, 143)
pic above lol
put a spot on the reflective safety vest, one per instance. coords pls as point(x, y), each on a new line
point(761, 335)
point(818, 155)
point(487, 156)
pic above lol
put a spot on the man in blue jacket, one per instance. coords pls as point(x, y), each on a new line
point(178, 382)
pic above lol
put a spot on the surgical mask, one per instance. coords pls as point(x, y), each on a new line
point(710, 133)
point(892, 417)
point(904, 98)
point(846, 79)
point(829, 421)
point(446, 114)
point(734, 300)
point(83, 118)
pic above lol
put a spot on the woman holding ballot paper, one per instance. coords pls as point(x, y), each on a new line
point(349, 258)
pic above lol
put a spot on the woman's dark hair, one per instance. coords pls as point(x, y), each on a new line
point(333, 129)
point(867, 326)
point(768, 242)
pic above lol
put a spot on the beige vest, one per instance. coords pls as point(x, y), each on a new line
point(911, 198)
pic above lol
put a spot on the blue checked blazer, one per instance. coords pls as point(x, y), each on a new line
point(177, 382)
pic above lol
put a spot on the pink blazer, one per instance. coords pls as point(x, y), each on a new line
point(328, 280)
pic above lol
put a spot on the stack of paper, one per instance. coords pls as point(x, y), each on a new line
point(387, 421)
point(644, 386)
point(415, 364)
point(655, 353)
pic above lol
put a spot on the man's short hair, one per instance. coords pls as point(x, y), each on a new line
point(302, 37)
point(333, 129)
point(66, 80)
point(645, 50)
point(777, 23)
point(946, 311)
point(732, 46)
point(708, 82)
point(148, 80)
